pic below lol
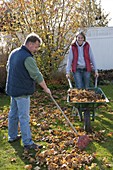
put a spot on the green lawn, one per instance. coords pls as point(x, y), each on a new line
point(48, 124)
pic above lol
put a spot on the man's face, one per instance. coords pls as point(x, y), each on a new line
point(33, 46)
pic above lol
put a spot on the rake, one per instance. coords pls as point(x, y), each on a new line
point(83, 140)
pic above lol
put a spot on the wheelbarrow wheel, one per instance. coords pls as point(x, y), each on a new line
point(87, 122)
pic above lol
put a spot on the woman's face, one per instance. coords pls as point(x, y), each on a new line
point(80, 39)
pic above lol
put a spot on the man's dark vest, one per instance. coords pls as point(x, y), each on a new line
point(86, 57)
point(18, 81)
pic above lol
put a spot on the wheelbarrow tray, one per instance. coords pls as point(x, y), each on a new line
point(98, 91)
point(88, 107)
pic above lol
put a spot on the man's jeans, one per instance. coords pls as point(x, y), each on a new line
point(81, 78)
point(19, 113)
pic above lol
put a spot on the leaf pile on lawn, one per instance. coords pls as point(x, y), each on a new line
point(49, 127)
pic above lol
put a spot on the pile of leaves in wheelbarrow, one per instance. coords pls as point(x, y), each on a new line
point(83, 95)
point(50, 128)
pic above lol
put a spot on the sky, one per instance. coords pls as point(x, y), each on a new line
point(107, 6)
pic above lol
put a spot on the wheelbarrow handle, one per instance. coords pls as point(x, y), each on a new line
point(70, 84)
point(96, 79)
point(64, 115)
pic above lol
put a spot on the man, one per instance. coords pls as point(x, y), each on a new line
point(22, 73)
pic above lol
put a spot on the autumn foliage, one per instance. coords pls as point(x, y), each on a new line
point(56, 22)
point(49, 127)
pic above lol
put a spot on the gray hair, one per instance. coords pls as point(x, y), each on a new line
point(32, 37)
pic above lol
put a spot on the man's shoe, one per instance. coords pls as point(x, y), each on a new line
point(16, 139)
point(33, 146)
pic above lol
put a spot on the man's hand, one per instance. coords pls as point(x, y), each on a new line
point(47, 90)
point(67, 76)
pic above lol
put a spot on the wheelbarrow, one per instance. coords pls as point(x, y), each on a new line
point(87, 108)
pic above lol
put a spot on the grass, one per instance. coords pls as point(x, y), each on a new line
point(104, 122)
point(12, 156)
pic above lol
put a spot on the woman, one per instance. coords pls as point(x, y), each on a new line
point(81, 62)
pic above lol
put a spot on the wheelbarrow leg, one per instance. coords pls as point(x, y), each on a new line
point(75, 111)
point(80, 114)
point(87, 122)
point(93, 113)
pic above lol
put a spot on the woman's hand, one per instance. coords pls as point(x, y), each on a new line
point(96, 74)
point(67, 76)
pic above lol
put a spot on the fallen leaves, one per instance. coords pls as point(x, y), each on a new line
point(83, 95)
point(13, 160)
point(3, 120)
point(60, 151)
point(110, 134)
point(29, 167)
point(56, 160)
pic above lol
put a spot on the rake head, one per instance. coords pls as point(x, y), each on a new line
point(83, 141)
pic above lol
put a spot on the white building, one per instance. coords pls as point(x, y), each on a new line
point(101, 41)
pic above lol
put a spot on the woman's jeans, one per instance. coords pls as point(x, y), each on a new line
point(19, 113)
point(81, 78)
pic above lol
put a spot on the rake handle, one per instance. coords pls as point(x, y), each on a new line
point(64, 115)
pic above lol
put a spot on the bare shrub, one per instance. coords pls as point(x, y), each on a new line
point(3, 60)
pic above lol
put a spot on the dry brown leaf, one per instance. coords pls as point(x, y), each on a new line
point(13, 160)
point(29, 167)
